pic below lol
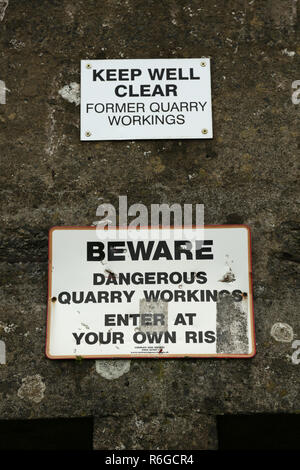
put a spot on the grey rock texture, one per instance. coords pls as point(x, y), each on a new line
point(245, 174)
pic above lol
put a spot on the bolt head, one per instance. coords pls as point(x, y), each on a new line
point(203, 64)
point(88, 66)
point(88, 134)
point(204, 131)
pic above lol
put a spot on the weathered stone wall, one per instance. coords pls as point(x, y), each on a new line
point(246, 174)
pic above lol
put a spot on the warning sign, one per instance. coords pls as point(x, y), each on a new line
point(146, 99)
point(119, 296)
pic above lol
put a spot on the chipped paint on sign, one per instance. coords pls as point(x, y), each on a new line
point(153, 319)
point(2, 352)
point(282, 332)
point(232, 320)
point(112, 370)
point(155, 316)
point(229, 275)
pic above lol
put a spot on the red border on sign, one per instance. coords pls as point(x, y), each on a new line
point(150, 356)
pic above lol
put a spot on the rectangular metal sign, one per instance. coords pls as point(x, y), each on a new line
point(146, 99)
point(113, 295)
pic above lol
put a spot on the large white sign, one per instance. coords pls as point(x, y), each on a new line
point(146, 99)
point(119, 296)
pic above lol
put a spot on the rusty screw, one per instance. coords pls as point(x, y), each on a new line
point(88, 134)
point(204, 131)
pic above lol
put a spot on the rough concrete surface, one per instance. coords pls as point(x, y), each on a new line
point(246, 174)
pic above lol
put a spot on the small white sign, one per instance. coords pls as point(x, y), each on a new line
point(118, 296)
point(146, 99)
